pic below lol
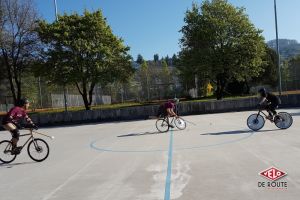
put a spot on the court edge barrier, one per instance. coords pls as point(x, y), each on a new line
point(143, 112)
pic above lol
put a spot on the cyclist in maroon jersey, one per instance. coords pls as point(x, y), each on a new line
point(168, 110)
point(12, 119)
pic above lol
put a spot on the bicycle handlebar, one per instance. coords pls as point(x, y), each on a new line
point(52, 137)
point(32, 130)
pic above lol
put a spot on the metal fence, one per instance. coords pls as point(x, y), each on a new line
point(139, 89)
point(57, 100)
point(291, 85)
point(5, 107)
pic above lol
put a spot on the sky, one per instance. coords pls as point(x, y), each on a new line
point(151, 27)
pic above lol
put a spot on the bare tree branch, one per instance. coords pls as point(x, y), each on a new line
point(19, 41)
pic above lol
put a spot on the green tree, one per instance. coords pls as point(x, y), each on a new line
point(166, 77)
point(165, 73)
point(168, 60)
point(156, 57)
point(174, 59)
point(145, 79)
point(82, 51)
point(139, 59)
point(294, 68)
point(291, 73)
point(269, 75)
point(186, 71)
point(220, 43)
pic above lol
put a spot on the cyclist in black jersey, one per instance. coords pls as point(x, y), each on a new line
point(270, 100)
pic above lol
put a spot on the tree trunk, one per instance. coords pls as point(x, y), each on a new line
point(17, 81)
point(10, 77)
point(19, 90)
point(91, 90)
point(84, 95)
point(86, 102)
point(247, 87)
point(221, 83)
point(218, 91)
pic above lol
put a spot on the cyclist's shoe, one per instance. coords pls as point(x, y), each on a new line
point(277, 118)
point(16, 150)
point(270, 117)
point(170, 125)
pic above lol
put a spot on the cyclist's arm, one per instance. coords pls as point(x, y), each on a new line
point(28, 120)
point(262, 100)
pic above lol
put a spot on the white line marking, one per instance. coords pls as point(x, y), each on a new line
point(48, 196)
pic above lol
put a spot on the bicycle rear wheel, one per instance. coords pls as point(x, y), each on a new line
point(38, 150)
point(180, 123)
point(162, 125)
point(283, 120)
point(5, 152)
point(255, 122)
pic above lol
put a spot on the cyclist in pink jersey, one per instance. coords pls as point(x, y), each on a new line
point(12, 119)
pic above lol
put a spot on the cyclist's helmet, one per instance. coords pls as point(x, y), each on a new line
point(22, 102)
point(262, 92)
point(175, 100)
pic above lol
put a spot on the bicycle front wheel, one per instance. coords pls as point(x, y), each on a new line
point(180, 123)
point(255, 122)
point(283, 120)
point(38, 150)
point(6, 152)
point(162, 125)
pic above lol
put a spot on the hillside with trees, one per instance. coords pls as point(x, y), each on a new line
point(287, 48)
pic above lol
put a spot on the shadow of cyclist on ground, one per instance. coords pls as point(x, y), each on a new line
point(11, 165)
point(238, 132)
point(142, 134)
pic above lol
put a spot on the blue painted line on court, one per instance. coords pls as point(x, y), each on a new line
point(169, 170)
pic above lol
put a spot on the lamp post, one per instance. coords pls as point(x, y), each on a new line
point(277, 49)
point(55, 6)
point(64, 87)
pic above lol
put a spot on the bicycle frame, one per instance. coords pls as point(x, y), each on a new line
point(167, 118)
point(261, 111)
point(30, 138)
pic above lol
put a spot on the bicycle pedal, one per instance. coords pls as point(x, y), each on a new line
point(16, 150)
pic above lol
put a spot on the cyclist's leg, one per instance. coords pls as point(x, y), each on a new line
point(14, 132)
point(169, 124)
point(167, 119)
point(268, 109)
point(165, 116)
point(272, 108)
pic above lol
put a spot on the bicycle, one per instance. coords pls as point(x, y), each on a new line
point(37, 149)
point(282, 120)
point(163, 123)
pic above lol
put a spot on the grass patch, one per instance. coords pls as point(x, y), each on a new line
point(213, 98)
point(71, 109)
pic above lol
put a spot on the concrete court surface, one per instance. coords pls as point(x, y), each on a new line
point(217, 157)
